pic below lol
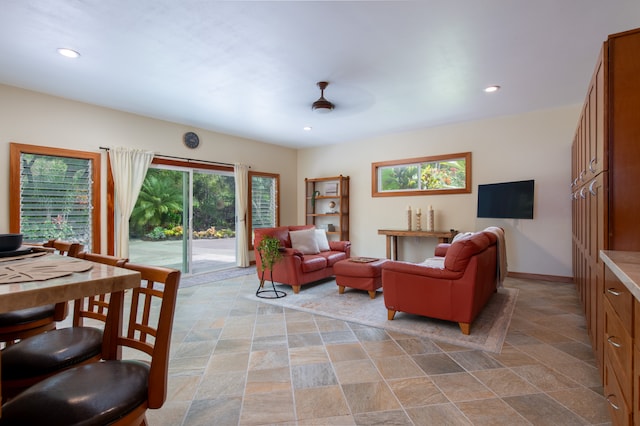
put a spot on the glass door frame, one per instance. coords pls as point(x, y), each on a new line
point(186, 165)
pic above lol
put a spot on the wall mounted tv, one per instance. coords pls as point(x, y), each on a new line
point(507, 200)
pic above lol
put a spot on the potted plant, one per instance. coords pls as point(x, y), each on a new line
point(270, 253)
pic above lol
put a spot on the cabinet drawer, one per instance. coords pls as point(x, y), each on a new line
point(636, 385)
point(620, 298)
point(618, 406)
point(618, 349)
point(636, 316)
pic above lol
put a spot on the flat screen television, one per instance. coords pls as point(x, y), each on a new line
point(506, 200)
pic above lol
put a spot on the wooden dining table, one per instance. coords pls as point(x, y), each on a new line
point(97, 279)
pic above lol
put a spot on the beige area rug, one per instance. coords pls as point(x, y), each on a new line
point(488, 331)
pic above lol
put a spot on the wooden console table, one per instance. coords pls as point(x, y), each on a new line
point(393, 234)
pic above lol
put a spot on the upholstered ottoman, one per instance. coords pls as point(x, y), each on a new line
point(359, 273)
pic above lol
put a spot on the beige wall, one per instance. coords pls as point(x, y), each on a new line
point(536, 146)
point(528, 146)
point(33, 118)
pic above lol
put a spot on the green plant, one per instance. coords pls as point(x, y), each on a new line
point(156, 234)
point(270, 254)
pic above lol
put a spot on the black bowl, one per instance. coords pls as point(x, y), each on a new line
point(10, 242)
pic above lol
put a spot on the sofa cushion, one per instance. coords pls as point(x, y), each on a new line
point(304, 241)
point(460, 252)
point(333, 256)
point(313, 263)
point(321, 239)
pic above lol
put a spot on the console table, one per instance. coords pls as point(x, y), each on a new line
point(393, 234)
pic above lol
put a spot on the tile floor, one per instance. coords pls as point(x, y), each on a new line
point(238, 362)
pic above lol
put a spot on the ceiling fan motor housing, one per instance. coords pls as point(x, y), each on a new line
point(322, 105)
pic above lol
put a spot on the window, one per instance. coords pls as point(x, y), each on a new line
point(442, 174)
point(58, 196)
point(263, 208)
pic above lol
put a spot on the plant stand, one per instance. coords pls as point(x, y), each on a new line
point(269, 294)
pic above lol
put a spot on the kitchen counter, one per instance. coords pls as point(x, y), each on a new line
point(626, 267)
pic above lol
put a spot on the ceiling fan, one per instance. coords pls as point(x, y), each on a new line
point(322, 105)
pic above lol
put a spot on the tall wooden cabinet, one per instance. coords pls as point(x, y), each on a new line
point(605, 186)
point(327, 205)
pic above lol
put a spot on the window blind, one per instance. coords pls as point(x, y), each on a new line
point(263, 202)
point(56, 198)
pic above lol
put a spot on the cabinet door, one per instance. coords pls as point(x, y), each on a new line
point(597, 159)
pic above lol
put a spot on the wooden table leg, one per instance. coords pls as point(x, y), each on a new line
point(113, 327)
point(395, 247)
point(388, 246)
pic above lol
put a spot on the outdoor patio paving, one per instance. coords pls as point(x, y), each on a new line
point(208, 254)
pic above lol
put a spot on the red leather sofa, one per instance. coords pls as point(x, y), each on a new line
point(455, 291)
point(295, 268)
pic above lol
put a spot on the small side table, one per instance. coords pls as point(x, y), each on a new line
point(272, 293)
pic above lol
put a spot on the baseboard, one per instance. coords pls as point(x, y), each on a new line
point(554, 278)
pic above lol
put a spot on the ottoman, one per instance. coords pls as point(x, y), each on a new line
point(359, 273)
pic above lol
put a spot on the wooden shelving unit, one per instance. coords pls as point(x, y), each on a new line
point(327, 205)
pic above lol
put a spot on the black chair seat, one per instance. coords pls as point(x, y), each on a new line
point(101, 391)
point(23, 316)
point(49, 352)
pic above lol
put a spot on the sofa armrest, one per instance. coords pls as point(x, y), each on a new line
point(288, 252)
point(344, 246)
point(441, 249)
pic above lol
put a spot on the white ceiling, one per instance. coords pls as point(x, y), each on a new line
point(250, 68)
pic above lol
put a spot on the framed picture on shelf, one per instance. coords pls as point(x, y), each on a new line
point(331, 189)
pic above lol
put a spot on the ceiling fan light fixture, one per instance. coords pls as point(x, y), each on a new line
point(322, 105)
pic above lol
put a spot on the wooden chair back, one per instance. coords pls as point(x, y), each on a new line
point(64, 247)
point(94, 307)
point(159, 289)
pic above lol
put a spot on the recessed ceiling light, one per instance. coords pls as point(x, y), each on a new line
point(492, 89)
point(68, 53)
point(307, 128)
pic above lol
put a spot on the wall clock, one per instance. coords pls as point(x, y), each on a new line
point(191, 140)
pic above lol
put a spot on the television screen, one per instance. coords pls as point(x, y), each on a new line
point(507, 200)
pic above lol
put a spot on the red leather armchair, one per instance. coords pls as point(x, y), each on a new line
point(296, 268)
point(456, 291)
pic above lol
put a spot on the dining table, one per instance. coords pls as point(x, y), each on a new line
point(45, 278)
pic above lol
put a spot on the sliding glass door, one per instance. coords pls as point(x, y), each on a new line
point(184, 218)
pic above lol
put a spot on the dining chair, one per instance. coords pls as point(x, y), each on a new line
point(64, 247)
point(114, 392)
point(33, 359)
point(24, 323)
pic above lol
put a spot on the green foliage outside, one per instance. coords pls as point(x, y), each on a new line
point(427, 176)
point(158, 213)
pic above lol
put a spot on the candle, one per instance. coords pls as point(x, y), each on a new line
point(419, 210)
point(409, 208)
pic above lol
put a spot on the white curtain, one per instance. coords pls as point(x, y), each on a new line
point(129, 168)
point(242, 187)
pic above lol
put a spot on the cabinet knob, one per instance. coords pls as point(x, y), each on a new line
point(593, 161)
point(591, 188)
point(613, 292)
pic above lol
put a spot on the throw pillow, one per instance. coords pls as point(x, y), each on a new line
point(461, 235)
point(321, 239)
point(304, 241)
